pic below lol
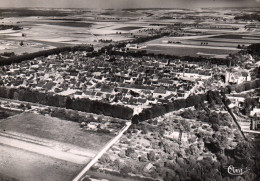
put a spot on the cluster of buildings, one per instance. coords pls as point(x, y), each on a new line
point(119, 79)
point(237, 76)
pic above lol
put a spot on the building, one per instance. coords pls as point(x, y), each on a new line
point(237, 77)
point(255, 112)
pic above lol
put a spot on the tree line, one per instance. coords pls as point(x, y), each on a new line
point(84, 104)
point(44, 53)
point(254, 49)
point(213, 97)
point(141, 53)
point(249, 17)
point(159, 110)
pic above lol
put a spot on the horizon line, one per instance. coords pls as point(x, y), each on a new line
point(224, 7)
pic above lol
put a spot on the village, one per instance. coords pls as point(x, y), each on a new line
point(129, 94)
point(123, 80)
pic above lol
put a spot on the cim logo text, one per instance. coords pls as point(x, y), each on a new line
point(236, 171)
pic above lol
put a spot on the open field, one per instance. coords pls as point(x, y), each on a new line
point(220, 44)
point(234, 41)
point(57, 33)
point(186, 51)
point(49, 148)
point(54, 129)
point(28, 166)
point(89, 26)
point(36, 147)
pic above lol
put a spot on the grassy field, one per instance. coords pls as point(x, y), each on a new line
point(218, 45)
point(28, 166)
point(54, 129)
point(43, 148)
point(185, 51)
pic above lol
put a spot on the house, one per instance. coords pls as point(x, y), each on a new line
point(159, 91)
point(148, 167)
point(237, 77)
point(255, 112)
point(142, 101)
point(236, 101)
point(107, 88)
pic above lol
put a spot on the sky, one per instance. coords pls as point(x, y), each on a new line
point(100, 4)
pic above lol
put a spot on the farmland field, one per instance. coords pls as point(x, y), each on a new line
point(185, 51)
point(237, 36)
point(27, 166)
point(45, 148)
point(235, 41)
point(207, 45)
point(129, 28)
point(70, 24)
point(54, 129)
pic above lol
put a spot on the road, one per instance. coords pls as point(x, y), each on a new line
point(80, 176)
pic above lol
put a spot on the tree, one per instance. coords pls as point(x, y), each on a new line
point(188, 114)
point(213, 146)
point(86, 179)
point(125, 170)
point(214, 118)
point(179, 104)
point(118, 164)
point(215, 127)
point(134, 155)
point(170, 175)
point(143, 158)
point(28, 106)
point(135, 119)
point(129, 151)
point(105, 159)
point(193, 100)
point(245, 150)
point(151, 156)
